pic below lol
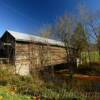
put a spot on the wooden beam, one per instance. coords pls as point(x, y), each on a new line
point(8, 44)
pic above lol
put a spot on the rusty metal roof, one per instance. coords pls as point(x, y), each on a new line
point(28, 37)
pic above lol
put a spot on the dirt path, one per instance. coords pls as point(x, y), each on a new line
point(80, 77)
point(86, 77)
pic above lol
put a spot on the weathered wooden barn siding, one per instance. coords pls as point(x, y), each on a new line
point(36, 55)
point(8, 43)
point(58, 55)
point(27, 55)
point(22, 62)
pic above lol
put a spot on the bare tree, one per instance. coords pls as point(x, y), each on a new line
point(63, 31)
point(89, 20)
point(79, 40)
point(45, 55)
point(98, 41)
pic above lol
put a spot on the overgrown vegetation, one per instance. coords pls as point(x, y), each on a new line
point(6, 94)
point(17, 87)
point(89, 69)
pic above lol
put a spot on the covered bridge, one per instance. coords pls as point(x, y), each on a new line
point(27, 51)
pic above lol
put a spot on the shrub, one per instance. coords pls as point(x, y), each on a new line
point(23, 84)
point(5, 74)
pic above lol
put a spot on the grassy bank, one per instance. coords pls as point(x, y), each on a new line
point(15, 87)
point(46, 87)
point(7, 94)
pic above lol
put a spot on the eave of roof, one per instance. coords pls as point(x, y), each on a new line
point(30, 38)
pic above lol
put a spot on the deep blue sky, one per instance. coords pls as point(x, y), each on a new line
point(31, 15)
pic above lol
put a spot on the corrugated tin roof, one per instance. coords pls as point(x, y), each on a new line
point(28, 37)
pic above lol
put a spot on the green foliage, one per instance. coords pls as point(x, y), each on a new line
point(61, 94)
point(7, 96)
point(79, 39)
point(94, 56)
